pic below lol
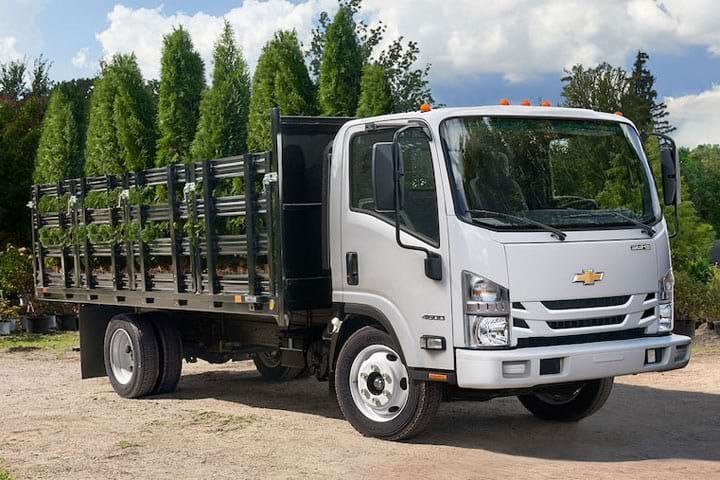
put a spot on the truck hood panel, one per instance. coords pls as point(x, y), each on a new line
point(547, 271)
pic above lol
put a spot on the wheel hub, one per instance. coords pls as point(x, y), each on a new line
point(379, 383)
point(122, 357)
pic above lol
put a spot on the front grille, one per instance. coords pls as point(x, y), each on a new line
point(586, 303)
point(577, 339)
point(586, 322)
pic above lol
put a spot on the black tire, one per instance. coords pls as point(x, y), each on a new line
point(568, 404)
point(143, 358)
point(422, 402)
point(268, 365)
point(171, 355)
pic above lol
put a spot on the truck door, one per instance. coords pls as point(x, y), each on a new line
point(378, 273)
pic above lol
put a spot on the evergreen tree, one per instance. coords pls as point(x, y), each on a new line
point(182, 80)
point(375, 93)
point(121, 134)
point(641, 105)
point(222, 130)
point(12, 80)
point(281, 80)
point(59, 154)
point(341, 68)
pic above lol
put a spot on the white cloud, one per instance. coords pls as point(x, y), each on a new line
point(518, 39)
point(7, 49)
point(81, 59)
point(141, 30)
point(697, 117)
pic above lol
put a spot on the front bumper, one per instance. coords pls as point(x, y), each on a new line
point(521, 368)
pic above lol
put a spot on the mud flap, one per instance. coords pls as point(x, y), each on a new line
point(94, 320)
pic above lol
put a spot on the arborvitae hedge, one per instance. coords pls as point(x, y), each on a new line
point(375, 92)
point(182, 80)
point(59, 154)
point(281, 80)
point(224, 110)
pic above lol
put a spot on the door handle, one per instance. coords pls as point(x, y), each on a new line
point(351, 262)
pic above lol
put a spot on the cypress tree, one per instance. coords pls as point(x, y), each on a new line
point(182, 80)
point(341, 67)
point(281, 80)
point(223, 125)
point(59, 154)
point(121, 134)
point(375, 92)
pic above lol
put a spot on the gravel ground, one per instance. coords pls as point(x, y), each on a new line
point(226, 422)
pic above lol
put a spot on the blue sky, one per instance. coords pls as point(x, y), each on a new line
point(480, 51)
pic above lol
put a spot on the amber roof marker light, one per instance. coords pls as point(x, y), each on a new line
point(525, 103)
point(545, 103)
point(504, 102)
point(425, 108)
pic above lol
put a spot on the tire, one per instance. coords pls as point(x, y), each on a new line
point(568, 404)
point(268, 364)
point(170, 355)
point(404, 407)
point(131, 356)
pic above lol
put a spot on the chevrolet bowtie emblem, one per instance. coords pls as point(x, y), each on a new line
point(588, 277)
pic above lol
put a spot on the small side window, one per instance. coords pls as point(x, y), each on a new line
point(420, 214)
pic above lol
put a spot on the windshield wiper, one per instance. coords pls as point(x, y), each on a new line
point(647, 229)
point(559, 234)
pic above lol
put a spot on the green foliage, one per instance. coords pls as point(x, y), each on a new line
point(12, 80)
point(375, 93)
point(701, 174)
point(121, 134)
point(182, 80)
point(224, 110)
point(59, 153)
point(281, 80)
point(341, 67)
point(20, 128)
point(49, 204)
point(15, 272)
point(409, 85)
point(55, 237)
point(102, 198)
point(8, 310)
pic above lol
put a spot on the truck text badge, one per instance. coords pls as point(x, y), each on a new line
point(588, 277)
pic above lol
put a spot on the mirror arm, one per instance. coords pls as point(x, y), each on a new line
point(433, 265)
point(676, 213)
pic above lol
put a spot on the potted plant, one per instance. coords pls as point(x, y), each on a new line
point(9, 315)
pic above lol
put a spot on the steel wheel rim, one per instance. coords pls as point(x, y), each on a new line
point(270, 359)
point(122, 356)
point(379, 383)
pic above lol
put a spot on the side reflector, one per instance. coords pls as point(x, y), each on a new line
point(437, 377)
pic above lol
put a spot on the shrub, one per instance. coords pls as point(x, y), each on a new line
point(16, 277)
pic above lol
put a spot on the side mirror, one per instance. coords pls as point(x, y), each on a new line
point(669, 171)
point(383, 175)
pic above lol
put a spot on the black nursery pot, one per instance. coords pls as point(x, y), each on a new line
point(38, 325)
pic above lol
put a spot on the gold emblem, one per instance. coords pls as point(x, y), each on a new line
point(588, 277)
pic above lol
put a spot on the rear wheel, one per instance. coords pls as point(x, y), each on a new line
point(131, 356)
point(271, 368)
point(568, 403)
point(171, 355)
point(375, 392)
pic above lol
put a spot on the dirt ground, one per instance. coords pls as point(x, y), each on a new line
point(226, 422)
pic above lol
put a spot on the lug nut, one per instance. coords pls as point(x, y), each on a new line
point(363, 376)
point(387, 393)
point(387, 378)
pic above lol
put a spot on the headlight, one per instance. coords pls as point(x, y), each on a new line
point(489, 331)
point(665, 309)
point(487, 312)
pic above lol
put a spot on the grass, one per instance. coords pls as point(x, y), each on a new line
point(222, 421)
point(5, 475)
point(124, 445)
point(59, 342)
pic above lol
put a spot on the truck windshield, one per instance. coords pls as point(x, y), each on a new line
point(563, 174)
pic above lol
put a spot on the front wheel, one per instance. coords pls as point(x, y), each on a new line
point(375, 392)
point(568, 403)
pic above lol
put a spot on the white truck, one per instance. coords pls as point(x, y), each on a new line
point(410, 258)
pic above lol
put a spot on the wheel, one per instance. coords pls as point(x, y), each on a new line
point(171, 355)
point(269, 366)
point(375, 392)
point(131, 356)
point(568, 403)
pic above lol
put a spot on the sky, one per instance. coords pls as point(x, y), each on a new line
point(480, 50)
